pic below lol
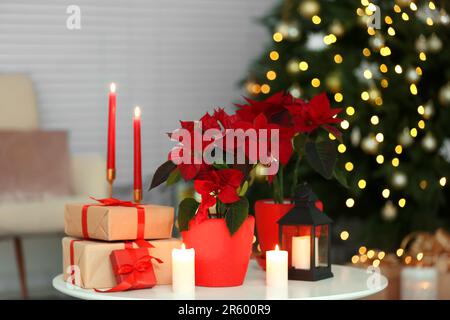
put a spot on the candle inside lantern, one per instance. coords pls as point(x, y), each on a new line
point(277, 268)
point(183, 271)
point(301, 252)
point(137, 156)
point(111, 156)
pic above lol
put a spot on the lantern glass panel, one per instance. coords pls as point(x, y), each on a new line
point(322, 244)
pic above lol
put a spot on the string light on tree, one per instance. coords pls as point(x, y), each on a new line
point(350, 202)
point(303, 65)
point(350, 111)
point(316, 19)
point(342, 148)
point(315, 82)
point(277, 37)
point(380, 159)
point(274, 55)
point(345, 124)
point(362, 184)
point(398, 69)
point(349, 166)
point(395, 162)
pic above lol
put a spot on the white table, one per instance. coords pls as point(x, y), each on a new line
point(347, 283)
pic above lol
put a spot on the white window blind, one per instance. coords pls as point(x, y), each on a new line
point(174, 58)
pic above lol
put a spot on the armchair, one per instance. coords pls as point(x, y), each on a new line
point(18, 112)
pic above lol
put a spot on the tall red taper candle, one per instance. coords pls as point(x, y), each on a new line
point(137, 156)
point(111, 158)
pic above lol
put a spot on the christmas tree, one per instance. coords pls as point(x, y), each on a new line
point(386, 63)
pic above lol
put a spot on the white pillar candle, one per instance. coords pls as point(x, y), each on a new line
point(316, 246)
point(301, 248)
point(277, 293)
point(419, 283)
point(277, 268)
point(183, 270)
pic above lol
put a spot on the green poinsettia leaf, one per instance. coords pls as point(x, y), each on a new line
point(341, 177)
point(322, 157)
point(220, 166)
point(174, 177)
point(236, 215)
point(186, 212)
point(299, 142)
point(162, 173)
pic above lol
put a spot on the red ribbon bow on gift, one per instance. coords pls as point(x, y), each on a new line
point(110, 202)
point(134, 272)
point(142, 265)
point(113, 202)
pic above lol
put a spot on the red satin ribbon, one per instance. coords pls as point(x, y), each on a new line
point(112, 202)
point(72, 259)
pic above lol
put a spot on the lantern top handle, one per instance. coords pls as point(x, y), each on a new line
point(304, 194)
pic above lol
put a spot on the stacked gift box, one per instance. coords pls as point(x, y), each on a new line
point(112, 243)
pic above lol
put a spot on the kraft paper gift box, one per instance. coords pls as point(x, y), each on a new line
point(91, 265)
point(113, 223)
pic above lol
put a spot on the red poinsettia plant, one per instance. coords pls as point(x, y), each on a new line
point(220, 151)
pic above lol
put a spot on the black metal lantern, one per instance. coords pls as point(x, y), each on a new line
point(305, 233)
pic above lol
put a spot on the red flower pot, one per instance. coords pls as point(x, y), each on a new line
point(221, 260)
point(267, 214)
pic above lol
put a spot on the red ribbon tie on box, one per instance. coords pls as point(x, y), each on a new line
point(110, 202)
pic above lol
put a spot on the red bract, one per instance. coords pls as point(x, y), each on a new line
point(224, 118)
point(273, 108)
point(284, 144)
point(314, 114)
point(190, 170)
point(217, 184)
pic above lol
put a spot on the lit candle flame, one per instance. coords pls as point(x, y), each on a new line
point(137, 112)
point(112, 87)
point(183, 246)
point(277, 248)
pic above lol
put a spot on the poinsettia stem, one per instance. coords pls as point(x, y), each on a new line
point(295, 177)
point(218, 208)
point(275, 189)
point(281, 173)
point(277, 186)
